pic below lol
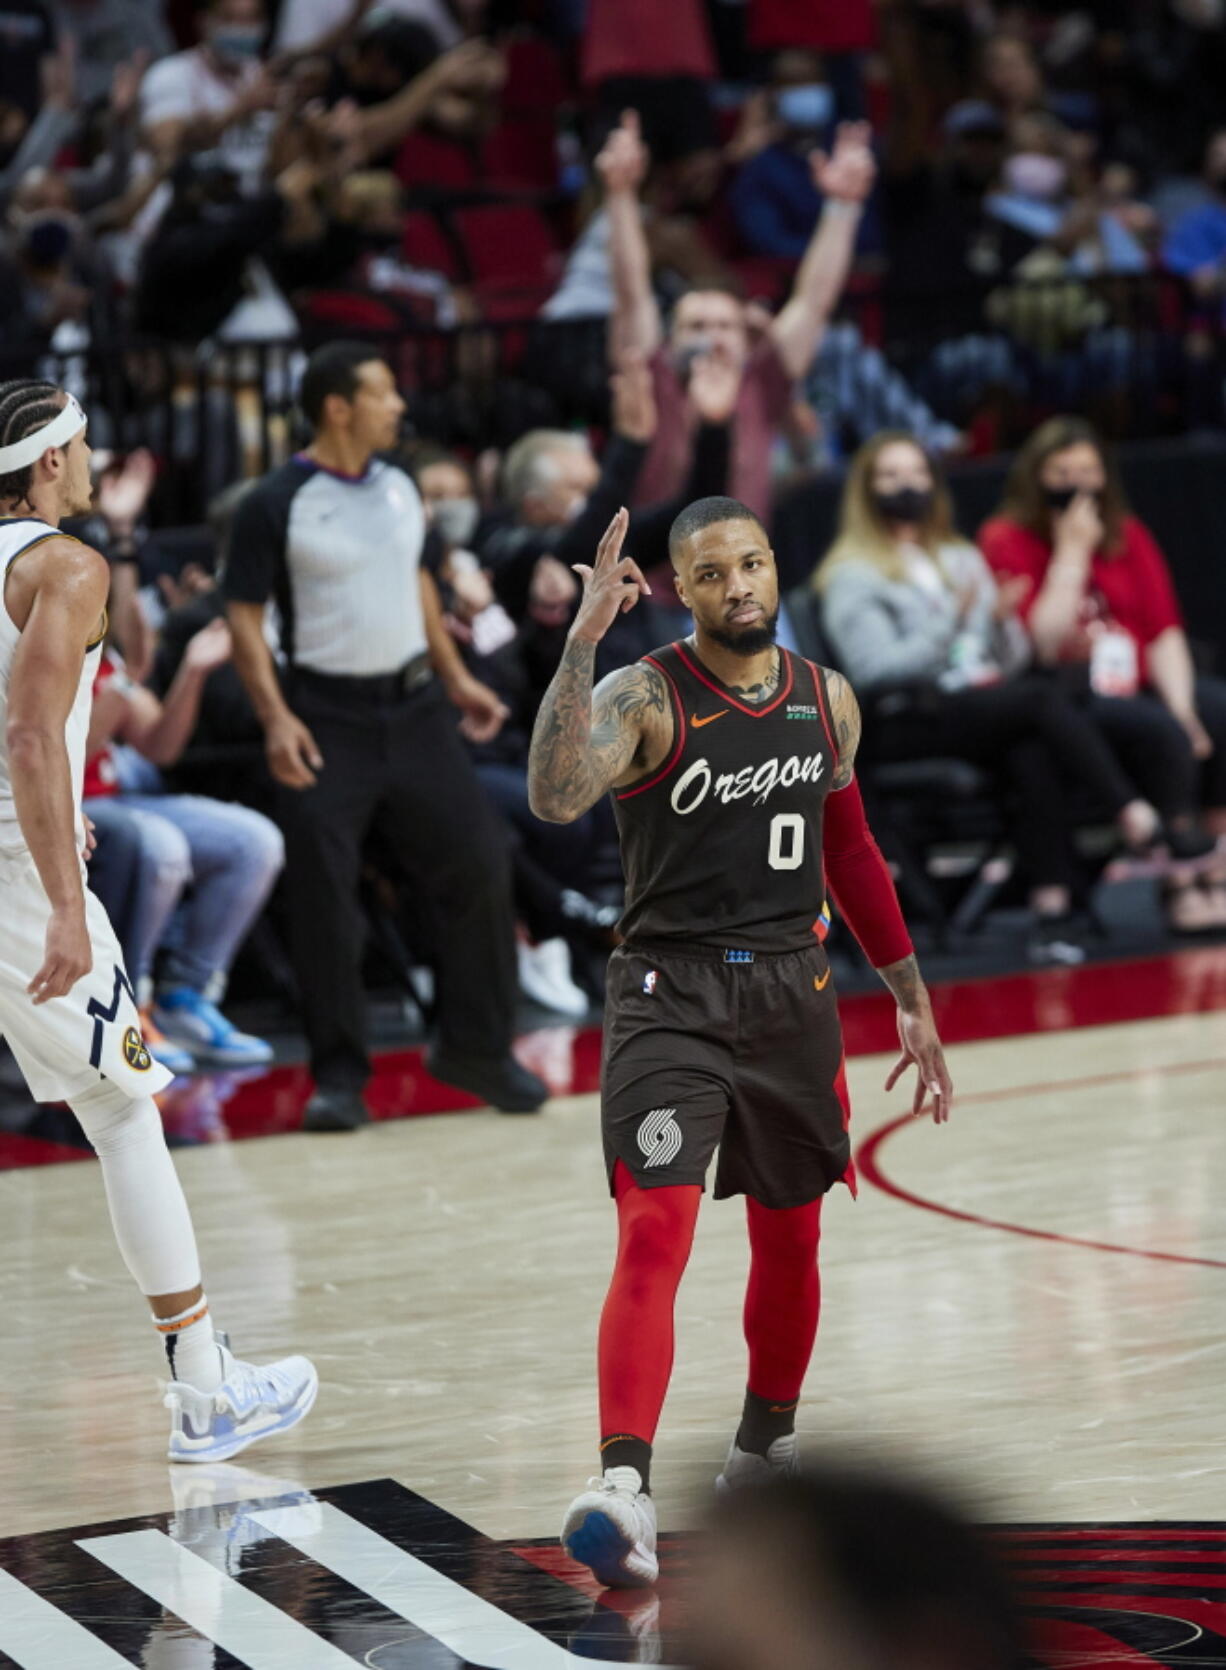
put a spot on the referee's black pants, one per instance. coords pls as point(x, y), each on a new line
point(396, 768)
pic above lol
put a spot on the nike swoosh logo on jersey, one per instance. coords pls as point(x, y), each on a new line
point(710, 719)
point(820, 985)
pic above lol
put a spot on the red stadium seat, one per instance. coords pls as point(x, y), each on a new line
point(349, 310)
point(537, 77)
point(521, 154)
point(510, 249)
point(425, 244)
point(429, 161)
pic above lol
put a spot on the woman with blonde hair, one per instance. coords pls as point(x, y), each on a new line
point(1097, 599)
point(934, 647)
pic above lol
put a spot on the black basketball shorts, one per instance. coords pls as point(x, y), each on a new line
point(702, 1053)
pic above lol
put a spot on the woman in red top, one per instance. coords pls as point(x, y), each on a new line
point(1101, 607)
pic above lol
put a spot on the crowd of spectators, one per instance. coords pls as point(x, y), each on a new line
point(243, 170)
point(687, 225)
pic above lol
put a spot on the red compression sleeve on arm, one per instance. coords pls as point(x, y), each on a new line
point(860, 880)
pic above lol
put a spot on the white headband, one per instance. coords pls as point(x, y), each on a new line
point(63, 426)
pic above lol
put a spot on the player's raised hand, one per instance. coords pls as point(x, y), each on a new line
point(68, 955)
point(921, 1048)
point(611, 586)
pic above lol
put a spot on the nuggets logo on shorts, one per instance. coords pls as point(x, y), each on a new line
point(649, 980)
point(134, 1051)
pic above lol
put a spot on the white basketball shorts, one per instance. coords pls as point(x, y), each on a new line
point(68, 1044)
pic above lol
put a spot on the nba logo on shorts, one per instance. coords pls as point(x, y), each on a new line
point(649, 980)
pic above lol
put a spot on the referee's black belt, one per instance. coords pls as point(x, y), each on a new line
point(379, 689)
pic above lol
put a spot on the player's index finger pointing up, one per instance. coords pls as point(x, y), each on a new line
point(610, 546)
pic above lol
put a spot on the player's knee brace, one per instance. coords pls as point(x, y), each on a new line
point(112, 1119)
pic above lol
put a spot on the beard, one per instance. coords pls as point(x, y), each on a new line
point(751, 641)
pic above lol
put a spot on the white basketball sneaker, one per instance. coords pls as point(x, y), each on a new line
point(611, 1528)
point(254, 1401)
point(743, 1467)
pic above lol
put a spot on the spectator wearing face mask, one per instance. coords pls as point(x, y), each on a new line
point(51, 275)
point(216, 99)
point(550, 863)
point(775, 199)
point(1195, 246)
point(1038, 200)
point(1101, 608)
point(924, 634)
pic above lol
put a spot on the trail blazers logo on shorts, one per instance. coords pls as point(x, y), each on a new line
point(659, 1136)
point(134, 1051)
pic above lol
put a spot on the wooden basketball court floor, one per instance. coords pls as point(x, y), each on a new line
point(1029, 1303)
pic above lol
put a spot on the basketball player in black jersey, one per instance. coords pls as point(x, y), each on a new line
point(731, 762)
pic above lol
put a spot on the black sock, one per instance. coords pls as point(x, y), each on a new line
point(621, 1450)
point(763, 1421)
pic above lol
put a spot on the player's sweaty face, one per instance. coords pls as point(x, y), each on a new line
point(727, 578)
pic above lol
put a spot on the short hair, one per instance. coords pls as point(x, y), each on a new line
point(900, 1557)
point(25, 405)
point(333, 369)
point(418, 455)
point(527, 467)
point(705, 513)
point(718, 284)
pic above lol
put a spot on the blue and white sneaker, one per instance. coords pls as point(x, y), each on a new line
point(611, 1528)
point(175, 1059)
point(188, 1017)
point(252, 1402)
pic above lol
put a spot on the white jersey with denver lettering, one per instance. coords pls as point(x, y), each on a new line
point(19, 534)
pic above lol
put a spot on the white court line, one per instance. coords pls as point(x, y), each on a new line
point(257, 1633)
point(472, 1628)
point(37, 1636)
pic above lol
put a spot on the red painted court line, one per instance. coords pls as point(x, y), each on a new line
point(869, 1167)
point(1073, 1645)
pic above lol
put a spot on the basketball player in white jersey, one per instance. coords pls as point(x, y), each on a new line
point(66, 1007)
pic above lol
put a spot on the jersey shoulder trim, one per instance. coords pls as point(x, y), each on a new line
point(40, 539)
point(678, 741)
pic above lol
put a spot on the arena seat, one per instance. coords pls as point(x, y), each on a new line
point(511, 251)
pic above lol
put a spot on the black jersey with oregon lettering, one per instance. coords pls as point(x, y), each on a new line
point(722, 846)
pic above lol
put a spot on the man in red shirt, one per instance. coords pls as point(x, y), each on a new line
point(715, 322)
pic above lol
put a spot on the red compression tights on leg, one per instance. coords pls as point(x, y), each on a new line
point(635, 1352)
point(783, 1297)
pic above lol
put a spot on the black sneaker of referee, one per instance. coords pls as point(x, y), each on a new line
point(504, 1084)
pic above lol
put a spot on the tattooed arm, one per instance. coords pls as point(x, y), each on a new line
point(585, 742)
point(845, 718)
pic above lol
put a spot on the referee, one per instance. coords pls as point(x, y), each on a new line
point(360, 728)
